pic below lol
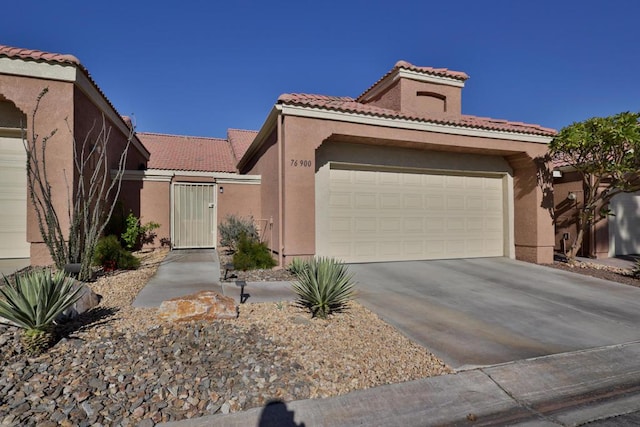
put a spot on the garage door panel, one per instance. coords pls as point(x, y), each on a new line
point(13, 199)
point(412, 201)
point(390, 201)
point(455, 202)
point(380, 216)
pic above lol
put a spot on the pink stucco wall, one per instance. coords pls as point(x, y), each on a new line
point(266, 164)
point(69, 112)
point(242, 200)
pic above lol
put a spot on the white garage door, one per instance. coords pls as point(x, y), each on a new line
point(392, 216)
point(624, 226)
point(13, 199)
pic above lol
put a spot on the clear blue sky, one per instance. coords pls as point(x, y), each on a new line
point(200, 67)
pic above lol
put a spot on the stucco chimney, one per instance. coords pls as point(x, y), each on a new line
point(418, 90)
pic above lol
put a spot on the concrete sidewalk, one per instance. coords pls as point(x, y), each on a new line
point(562, 389)
point(188, 271)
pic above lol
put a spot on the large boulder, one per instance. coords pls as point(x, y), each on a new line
point(87, 301)
point(204, 305)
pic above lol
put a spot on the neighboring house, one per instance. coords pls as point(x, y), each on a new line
point(398, 173)
point(613, 236)
point(75, 106)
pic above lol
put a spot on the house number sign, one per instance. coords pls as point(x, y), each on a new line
point(300, 163)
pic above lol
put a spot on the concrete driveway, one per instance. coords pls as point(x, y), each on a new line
point(476, 312)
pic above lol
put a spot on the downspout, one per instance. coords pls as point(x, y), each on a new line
point(280, 192)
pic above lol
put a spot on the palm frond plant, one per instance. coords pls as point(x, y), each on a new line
point(33, 302)
point(324, 286)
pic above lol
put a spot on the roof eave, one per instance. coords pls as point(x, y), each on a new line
point(412, 124)
point(265, 131)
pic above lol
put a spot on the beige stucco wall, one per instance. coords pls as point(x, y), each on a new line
point(533, 228)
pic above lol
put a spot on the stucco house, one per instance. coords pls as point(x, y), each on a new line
point(74, 106)
point(398, 173)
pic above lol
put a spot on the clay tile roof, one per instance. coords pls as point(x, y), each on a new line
point(441, 72)
point(37, 55)
point(240, 141)
point(188, 153)
point(351, 105)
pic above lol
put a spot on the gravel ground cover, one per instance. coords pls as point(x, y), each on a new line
point(120, 365)
point(614, 274)
point(259, 275)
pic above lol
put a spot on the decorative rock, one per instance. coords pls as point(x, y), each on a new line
point(204, 305)
point(87, 301)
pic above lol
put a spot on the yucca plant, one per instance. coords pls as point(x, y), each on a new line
point(324, 286)
point(297, 266)
point(33, 302)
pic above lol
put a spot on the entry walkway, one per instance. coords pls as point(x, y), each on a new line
point(187, 271)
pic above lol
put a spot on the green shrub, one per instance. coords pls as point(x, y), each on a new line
point(33, 301)
point(233, 227)
point(297, 266)
point(324, 286)
point(110, 255)
point(252, 254)
point(127, 261)
point(136, 233)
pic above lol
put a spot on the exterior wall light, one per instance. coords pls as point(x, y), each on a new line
point(221, 190)
point(572, 195)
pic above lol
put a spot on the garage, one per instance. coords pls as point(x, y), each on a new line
point(386, 214)
point(624, 224)
point(13, 197)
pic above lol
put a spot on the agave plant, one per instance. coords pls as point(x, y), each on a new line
point(324, 286)
point(297, 266)
point(34, 301)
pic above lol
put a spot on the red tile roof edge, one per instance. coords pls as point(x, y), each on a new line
point(182, 136)
point(41, 56)
point(351, 105)
point(242, 130)
point(38, 55)
point(440, 72)
point(168, 152)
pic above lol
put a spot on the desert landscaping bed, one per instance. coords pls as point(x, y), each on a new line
point(614, 274)
point(120, 365)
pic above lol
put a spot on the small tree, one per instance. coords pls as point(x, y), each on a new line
point(90, 199)
point(605, 151)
